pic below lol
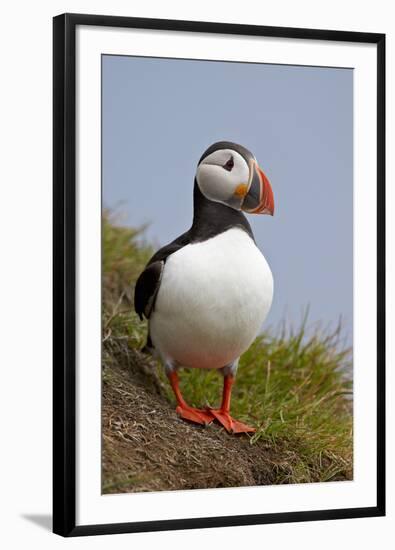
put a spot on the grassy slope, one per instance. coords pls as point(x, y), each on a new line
point(291, 386)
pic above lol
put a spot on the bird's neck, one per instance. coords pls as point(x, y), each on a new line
point(212, 218)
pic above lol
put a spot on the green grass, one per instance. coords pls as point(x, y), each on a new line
point(293, 385)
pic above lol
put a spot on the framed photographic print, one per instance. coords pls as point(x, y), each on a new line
point(219, 274)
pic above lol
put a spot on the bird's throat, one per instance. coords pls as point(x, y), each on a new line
point(211, 218)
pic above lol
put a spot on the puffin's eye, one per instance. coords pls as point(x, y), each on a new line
point(229, 164)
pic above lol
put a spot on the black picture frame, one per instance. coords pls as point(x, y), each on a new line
point(64, 273)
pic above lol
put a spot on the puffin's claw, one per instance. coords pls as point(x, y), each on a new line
point(194, 415)
point(229, 423)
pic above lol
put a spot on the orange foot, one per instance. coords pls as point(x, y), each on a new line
point(229, 423)
point(194, 415)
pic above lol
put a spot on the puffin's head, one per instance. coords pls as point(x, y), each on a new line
point(228, 173)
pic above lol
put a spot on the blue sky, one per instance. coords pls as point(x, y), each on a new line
point(159, 115)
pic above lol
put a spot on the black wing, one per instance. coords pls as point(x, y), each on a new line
point(147, 287)
point(148, 283)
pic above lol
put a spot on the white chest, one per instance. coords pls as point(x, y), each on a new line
point(213, 299)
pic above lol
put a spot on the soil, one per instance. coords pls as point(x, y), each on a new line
point(146, 447)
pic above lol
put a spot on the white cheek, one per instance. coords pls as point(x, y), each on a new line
point(218, 184)
point(239, 174)
point(214, 183)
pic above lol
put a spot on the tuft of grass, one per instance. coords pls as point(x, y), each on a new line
point(295, 386)
point(123, 261)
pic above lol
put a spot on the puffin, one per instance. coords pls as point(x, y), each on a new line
point(207, 293)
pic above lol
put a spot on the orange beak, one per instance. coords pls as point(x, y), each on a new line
point(259, 198)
